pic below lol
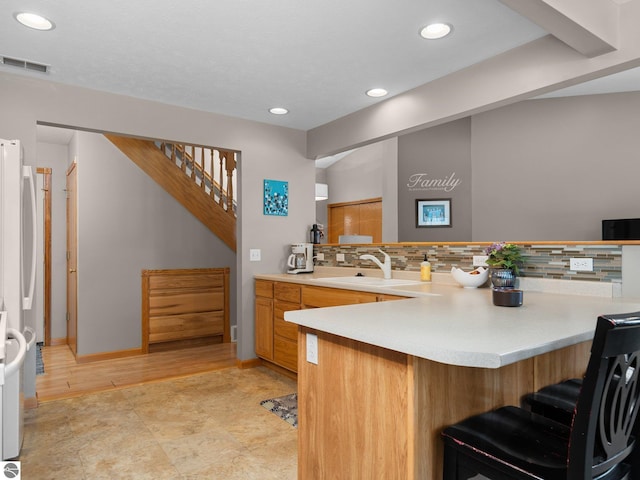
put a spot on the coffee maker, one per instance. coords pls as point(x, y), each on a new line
point(301, 258)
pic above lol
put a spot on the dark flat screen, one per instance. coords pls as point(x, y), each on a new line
point(622, 229)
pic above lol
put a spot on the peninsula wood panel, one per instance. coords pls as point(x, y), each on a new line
point(353, 424)
point(369, 412)
point(185, 305)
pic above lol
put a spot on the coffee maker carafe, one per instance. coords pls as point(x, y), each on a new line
point(301, 258)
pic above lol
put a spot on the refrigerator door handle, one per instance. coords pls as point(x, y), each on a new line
point(27, 172)
point(12, 367)
point(32, 340)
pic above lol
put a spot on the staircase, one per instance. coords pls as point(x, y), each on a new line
point(202, 179)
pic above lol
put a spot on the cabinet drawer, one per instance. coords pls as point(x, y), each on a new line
point(288, 292)
point(282, 327)
point(285, 353)
point(264, 288)
point(333, 297)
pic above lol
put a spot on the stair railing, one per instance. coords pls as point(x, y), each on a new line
point(201, 164)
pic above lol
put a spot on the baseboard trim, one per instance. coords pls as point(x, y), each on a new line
point(279, 369)
point(58, 341)
point(97, 357)
point(252, 363)
point(31, 403)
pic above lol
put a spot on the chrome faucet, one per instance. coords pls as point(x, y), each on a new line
point(386, 267)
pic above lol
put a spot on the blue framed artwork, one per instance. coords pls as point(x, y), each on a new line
point(276, 198)
point(433, 213)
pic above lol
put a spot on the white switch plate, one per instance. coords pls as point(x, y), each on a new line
point(581, 264)
point(312, 348)
point(320, 256)
point(480, 260)
point(254, 255)
point(339, 257)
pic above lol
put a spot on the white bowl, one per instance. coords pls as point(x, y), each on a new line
point(468, 280)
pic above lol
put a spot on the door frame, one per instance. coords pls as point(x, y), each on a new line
point(46, 261)
point(72, 255)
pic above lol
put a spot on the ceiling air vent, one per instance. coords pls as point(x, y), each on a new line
point(25, 64)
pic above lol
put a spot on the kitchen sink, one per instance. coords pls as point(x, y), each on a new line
point(371, 281)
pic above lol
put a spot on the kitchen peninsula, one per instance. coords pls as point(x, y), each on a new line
point(389, 376)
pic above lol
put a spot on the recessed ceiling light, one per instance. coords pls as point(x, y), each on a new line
point(435, 31)
point(377, 92)
point(279, 111)
point(35, 21)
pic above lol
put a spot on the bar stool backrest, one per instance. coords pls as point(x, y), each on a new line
point(610, 388)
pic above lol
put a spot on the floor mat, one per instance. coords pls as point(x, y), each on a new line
point(39, 364)
point(285, 407)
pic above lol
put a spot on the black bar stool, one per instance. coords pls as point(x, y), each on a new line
point(514, 443)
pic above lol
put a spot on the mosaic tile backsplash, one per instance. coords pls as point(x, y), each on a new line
point(541, 260)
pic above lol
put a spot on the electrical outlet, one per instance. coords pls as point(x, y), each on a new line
point(581, 264)
point(320, 256)
point(312, 348)
point(254, 255)
point(480, 260)
point(339, 257)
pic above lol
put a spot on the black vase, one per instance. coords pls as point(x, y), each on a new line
point(503, 278)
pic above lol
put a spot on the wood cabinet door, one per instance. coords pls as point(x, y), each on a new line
point(351, 220)
point(264, 328)
point(336, 223)
point(371, 220)
point(362, 217)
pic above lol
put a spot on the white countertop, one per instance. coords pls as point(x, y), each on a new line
point(458, 326)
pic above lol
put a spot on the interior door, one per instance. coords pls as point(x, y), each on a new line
point(72, 258)
point(361, 217)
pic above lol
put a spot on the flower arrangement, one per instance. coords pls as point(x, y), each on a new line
point(505, 255)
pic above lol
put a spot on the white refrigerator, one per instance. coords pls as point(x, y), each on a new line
point(17, 284)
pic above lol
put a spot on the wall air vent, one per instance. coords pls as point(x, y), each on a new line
point(25, 64)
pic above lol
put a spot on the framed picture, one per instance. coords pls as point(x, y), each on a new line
point(433, 213)
point(276, 198)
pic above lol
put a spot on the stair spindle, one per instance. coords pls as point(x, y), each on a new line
point(204, 170)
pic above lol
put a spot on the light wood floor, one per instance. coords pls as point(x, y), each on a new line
point(64, 378)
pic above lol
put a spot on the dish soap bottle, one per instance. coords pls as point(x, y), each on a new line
point(425, 270)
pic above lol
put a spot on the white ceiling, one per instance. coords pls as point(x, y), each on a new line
point(241, 57)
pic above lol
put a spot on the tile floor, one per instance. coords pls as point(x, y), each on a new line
point(207, 426)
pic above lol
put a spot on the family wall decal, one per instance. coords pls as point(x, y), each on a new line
point(422, 181)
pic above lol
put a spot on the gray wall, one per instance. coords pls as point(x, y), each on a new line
point(440, 153)
point(547, 169)
point(267, 152)
point(552, 169)
point(368, 172)
point(127, 223)
point(56, 157)
point(321, 205)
